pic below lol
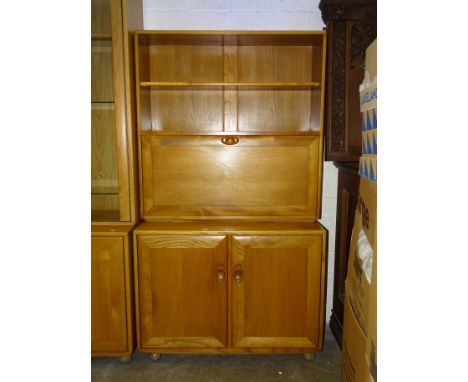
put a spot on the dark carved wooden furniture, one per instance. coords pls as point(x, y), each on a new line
point(348, 185)
point(351, 26)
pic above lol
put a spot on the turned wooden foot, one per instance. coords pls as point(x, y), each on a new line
point(125, 359)
point(309, 356)
point(155, 357)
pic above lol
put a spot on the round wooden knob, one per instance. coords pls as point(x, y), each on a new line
point(230, 140)
point(238, 276)
point(220, 275)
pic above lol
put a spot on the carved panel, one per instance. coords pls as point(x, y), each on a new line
point(351, 27)
point(362, 34)
point(336, 117)
point(348, 10)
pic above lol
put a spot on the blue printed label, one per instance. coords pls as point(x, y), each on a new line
point(368, 97)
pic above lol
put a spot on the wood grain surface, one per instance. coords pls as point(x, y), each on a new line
point(182, 303)
point(282, 279)
point(245, 81)
point(284, 274)
point(201, 177)
point(108, 307)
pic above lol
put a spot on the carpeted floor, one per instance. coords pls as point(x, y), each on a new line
point(225, 368)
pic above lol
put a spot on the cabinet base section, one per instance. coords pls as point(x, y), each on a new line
point(112, 312)
point(230, 289)
point(230, 351)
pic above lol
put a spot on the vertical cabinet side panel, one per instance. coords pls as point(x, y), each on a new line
point(120, 112)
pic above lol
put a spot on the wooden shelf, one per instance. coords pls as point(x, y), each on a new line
point(230, 82)
point(291, 132)
point(105, 215)
point(230, 37)
point(101, 36)
point(232, 85)
point(221, 227)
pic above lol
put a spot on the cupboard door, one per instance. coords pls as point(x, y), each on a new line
point(108, 307)
point(182, 291)
point(209, 177)
point(277, 291)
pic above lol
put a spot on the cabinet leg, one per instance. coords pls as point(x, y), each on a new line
point(125, 359)
point(309, 356)
point(155, 357)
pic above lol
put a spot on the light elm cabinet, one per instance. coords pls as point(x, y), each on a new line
point(210, 289)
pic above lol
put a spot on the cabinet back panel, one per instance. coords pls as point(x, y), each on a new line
point(274, 73)
point(102, 83)
point(202, 177)
point(277, 110)
point(196, 110)
point(187, 110)
point(274, 63)
point(105, 207)
point(103, 153)
point(100, 17)
point(104, 178)
point(186, 63)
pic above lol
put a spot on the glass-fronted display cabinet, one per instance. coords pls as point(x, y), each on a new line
point(113, 176)
point(112, 152)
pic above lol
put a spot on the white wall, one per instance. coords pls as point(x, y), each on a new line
point(330, 183)
point(232, 14)
point(252, 14)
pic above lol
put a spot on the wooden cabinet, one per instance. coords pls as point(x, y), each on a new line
point(351, 27)
point(114, 182)
point(285, 274)
point(233, 288)
point(208, 177)
point(348, 192)
point(113, 143)
point(182, 291)
point(244, 81)
point(230, 124)
point(111, 292)
point(229, 258)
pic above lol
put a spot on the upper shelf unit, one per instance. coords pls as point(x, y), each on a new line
point(230, 81)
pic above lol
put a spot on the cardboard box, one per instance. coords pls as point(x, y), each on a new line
point(359, 347)
point(369, 132)
point(353, 364)
point(363, 249)
point(359, 362)
point(368, 104)
point(371, 59)
point(371, 341)
point(371, 344)
point(368, 89)
point(368, 95)
point(368, 168)
point(368, 160)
